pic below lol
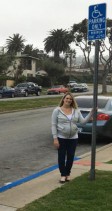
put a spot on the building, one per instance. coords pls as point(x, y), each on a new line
point(23, 65)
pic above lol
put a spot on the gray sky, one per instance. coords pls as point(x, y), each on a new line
point(33, 19)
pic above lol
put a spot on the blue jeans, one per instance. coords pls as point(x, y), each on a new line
point(66, 154)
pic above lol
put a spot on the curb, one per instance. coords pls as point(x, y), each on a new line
point(31, 177)
point(97, 150)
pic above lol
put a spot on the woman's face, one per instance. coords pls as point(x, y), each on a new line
point(67, 100)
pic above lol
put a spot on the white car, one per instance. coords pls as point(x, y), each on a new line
point(72, 83)
point(85, 85)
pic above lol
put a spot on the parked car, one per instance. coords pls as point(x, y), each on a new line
point(6, 91)
point(104, 115)
point(24, 89)
point(84, 84)
point(79, 88)
point(57, 89)
point(71, 84)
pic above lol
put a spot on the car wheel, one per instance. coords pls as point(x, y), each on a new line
point(12, 95)
point(26, 94)
point(57, 93)
point(38, 93)
point(0, 95)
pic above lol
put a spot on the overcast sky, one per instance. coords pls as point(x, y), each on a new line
point(33, 19)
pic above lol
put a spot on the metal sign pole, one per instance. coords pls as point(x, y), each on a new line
point(93, 150)
point(96, 31)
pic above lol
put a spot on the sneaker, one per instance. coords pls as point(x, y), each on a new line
point(62, 180)
point(68, 178)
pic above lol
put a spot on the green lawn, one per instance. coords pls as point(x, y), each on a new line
point(109, 162)
point(14, 105)
point(80, 194)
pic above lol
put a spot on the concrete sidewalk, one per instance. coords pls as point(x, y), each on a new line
point(25, 193)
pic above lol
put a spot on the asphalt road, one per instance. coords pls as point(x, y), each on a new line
point(109, 89)
point(26, 145)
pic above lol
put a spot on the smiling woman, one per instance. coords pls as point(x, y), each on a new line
point(65, 132)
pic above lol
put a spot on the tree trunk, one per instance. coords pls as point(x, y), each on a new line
point(56, 55)
point(104, 85)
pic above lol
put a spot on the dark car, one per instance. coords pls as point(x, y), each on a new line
point(24, 89)
point(79, 88)
point(6, 91)
point(104, 115)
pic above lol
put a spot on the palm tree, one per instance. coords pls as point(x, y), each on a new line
point(35, 52)
point(15, 44)
point(28, 49)
point(58, 41)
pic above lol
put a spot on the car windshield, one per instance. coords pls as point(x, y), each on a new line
point(78, 85)
point(88, 102)
point(21, 85)
point(56, 86)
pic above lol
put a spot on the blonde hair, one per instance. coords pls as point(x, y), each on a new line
point(73, 103)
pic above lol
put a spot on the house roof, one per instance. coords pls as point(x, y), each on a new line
point(27, 56)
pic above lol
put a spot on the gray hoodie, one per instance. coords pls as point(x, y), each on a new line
point(62, 126)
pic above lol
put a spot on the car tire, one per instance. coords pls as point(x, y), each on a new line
point(12, 95)
point(38, 93)
point(57, 93)
point(1, 96)
point(26, 94)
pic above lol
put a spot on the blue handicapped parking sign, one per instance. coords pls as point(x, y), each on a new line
point(97, 22)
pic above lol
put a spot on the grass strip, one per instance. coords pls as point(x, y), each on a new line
point(109, 162)
point(6, 106)
point(17, 105)
point(80, 194)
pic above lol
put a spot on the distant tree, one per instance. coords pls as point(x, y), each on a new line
point(5, 62)
point(28, 50)
point(34, 52)
point(57, 42)
point(18, 69)
point(15, 44)
point(79, 33)
point(53, 69)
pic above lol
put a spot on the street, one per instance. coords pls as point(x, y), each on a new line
point(26, 144)
point(109, 88)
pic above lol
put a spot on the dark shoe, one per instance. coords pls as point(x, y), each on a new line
point(62, 182)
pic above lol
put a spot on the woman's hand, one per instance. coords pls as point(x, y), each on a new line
point(56, 143)
point(92, 111)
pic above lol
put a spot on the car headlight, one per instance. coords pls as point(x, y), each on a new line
point(22, 90)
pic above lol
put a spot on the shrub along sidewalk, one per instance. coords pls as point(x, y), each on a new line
point(80, 194)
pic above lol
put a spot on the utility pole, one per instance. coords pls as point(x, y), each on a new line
point(70, 54)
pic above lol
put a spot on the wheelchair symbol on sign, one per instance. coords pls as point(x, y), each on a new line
point(96, 13)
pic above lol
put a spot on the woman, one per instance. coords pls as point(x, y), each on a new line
point(65, 133)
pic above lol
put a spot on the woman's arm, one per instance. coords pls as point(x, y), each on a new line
point(55, 122)
point(54, 127)
point(87, 118)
